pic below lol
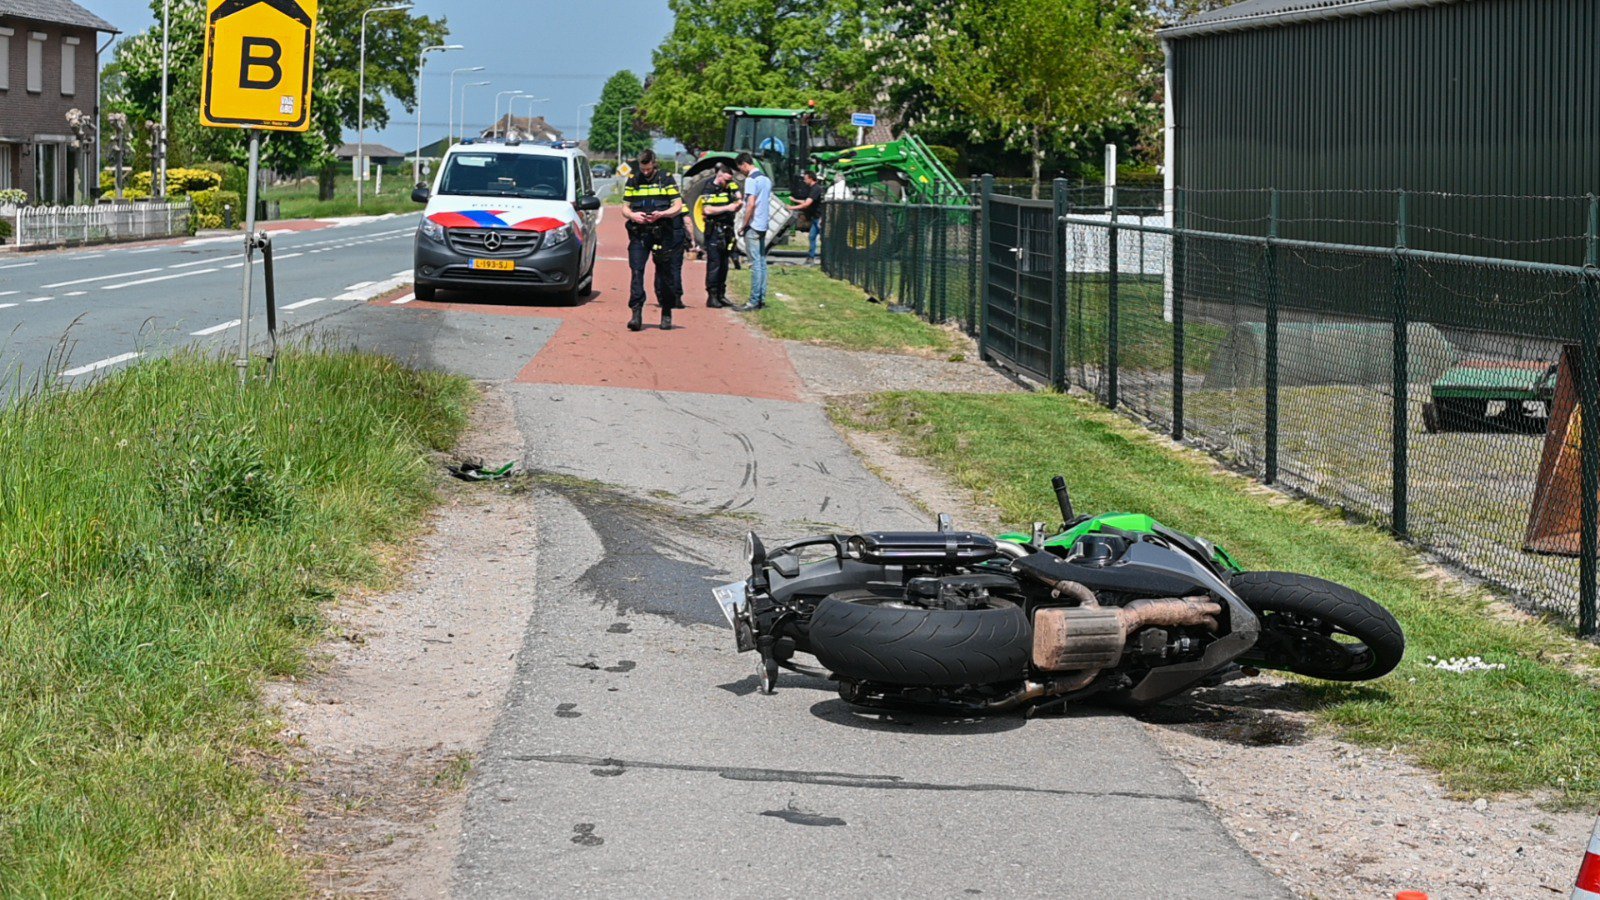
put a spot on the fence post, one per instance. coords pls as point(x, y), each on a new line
point(1270, 261)
point(1060, 205)
point(941, 275)
point(1113, 314)
point(984, 211)
point(1589, 401)
point(1402, 376)
point(1177, 313)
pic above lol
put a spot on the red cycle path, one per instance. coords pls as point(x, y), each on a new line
point(709, 351)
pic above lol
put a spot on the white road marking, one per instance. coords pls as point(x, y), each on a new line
point(149, 250)
point(304, 303)
point(40, 299)
point(74, 293)
point(190, 265)
point(18, 266)
point(129, 284)
point(205, 332)
point(96, 366)
point(404, 300)
point(237, 265)
point(286, 256)
point(8, 293)
point(99, 278)
point(358, 286)
point(6, 305)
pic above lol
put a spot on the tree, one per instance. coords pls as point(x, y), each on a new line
point(1047, 74)
point(622, 90)
point(136, 83)
point(775, 53)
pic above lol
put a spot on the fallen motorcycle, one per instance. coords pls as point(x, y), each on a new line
point(1117, 606)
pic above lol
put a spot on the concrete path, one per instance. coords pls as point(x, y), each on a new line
point(634, 756)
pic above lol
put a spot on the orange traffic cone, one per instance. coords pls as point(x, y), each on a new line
point(1587, 887)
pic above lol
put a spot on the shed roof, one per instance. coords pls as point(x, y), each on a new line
point(1270, 13)
point(62, 12)
point(373, 151)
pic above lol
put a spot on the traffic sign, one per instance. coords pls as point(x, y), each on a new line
point(624, 171)
point(863, 120)
point(258, 64)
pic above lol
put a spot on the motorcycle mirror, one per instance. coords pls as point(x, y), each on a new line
point(755, 552)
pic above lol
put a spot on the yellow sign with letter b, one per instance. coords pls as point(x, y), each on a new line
point(258, 64)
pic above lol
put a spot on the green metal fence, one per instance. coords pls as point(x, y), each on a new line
point(1434, 391)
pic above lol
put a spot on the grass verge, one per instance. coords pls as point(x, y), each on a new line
point(300, 201)
point(805, 305)
point(1531, 727)
point(165, 543)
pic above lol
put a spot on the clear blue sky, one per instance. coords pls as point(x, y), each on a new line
point(559, 49)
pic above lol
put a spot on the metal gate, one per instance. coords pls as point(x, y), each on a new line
point(1019, 328)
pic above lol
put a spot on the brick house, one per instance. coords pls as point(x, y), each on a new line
point(49, 64)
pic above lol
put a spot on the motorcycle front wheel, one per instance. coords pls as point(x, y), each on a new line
point(1314, 627)
point(875, 635)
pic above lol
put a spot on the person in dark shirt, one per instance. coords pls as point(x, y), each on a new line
point(810, 205)
point(720, 203)
point(654, 210)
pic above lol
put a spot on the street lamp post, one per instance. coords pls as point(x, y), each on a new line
point(464, 102)
point(531, 101)
point(578, 129)
point(358, 166)
point(497, 131)
point(161, 149)
point(422, 58)
point(619, 132)
point(453, 74)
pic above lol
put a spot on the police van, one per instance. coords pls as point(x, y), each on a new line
point(509, 216)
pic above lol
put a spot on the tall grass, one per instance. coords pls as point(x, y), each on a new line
point(165, 542)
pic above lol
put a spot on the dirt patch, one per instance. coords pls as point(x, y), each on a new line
point(831, 372)
point(408, 686)
point(1331, 819)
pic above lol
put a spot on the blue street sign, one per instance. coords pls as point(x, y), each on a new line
point(863, 120)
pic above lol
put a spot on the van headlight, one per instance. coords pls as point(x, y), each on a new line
point(432, 231)
point(558, 236)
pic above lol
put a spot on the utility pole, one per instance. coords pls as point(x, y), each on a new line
point(619, 131)
point(453, 74)
point(464, 102)
point(161, 137)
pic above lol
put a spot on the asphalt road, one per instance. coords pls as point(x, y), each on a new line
point(634, 756)
point(70, 314)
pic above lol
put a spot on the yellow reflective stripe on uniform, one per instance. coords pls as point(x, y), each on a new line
point(652, 191)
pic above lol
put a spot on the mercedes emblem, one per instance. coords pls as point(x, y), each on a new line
point(492, 241)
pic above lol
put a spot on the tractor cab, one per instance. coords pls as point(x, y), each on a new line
point(781, 140)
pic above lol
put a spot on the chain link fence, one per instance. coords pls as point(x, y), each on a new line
point(1362, 349)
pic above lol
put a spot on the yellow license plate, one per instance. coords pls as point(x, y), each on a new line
point(498, 265)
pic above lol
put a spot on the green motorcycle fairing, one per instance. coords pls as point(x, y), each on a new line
point(1138, 523)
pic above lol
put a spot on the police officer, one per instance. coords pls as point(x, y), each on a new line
point(654, 210)
point(720, 205)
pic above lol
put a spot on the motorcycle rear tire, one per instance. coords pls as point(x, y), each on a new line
point(1309, 614)
point(866, 635)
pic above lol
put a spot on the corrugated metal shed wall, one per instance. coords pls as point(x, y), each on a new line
point(1485, 97)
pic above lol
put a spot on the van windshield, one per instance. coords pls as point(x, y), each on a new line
point(489, 174)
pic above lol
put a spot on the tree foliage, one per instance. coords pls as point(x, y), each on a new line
point(394, 40)
point(612, 113)
point(776, 53)
point(1046, 74)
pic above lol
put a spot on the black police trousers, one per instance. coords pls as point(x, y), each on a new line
point(669, 267)
point(719, 249)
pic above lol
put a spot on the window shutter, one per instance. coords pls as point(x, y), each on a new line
point(36, 62)
point(5, 57)
point(69, 66)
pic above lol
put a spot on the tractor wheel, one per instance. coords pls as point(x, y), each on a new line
point(694, 188)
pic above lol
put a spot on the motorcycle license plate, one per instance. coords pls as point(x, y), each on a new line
point(498, 265)
point(735, 605)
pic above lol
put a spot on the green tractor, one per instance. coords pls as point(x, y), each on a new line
point(788, 142)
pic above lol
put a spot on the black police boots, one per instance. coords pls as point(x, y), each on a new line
point(637, 322)
point(666, 319)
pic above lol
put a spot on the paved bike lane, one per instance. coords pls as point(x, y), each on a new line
point(634, 756)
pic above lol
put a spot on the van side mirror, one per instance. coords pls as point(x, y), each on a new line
point(420, 194)
point(587, 203)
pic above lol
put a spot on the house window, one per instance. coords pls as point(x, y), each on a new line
point(69, 66)
point(36, 62)
point(47, 187)
point(7, 161)
point(5, 57)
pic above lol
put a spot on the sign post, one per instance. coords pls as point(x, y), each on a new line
point(257, 76)
point(863, 121)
